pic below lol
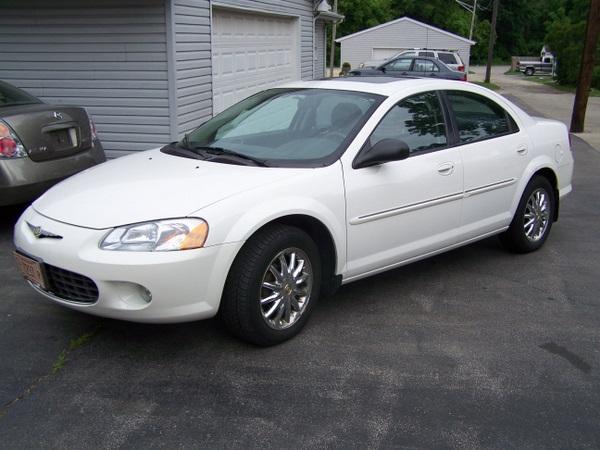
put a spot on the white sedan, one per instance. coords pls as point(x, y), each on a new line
point(288, 194)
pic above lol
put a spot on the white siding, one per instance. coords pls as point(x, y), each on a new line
point(403, 34)
point(110, 58)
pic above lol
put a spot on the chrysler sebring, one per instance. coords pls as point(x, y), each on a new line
point(286, 195)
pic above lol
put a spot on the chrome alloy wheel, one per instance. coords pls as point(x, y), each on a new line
point(537, 215)
point(286, 288)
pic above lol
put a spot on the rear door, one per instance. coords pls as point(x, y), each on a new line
point(425, 68)
point(494, 154)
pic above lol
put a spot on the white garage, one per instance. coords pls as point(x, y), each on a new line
point(251, 52)
point(386, 40)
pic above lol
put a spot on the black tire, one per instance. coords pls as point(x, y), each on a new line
point(515, 238)
point(240, 308)
point(529, 71)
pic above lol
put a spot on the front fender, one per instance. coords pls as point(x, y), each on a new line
point(319, 194)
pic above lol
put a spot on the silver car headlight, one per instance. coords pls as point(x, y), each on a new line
point(157, 236)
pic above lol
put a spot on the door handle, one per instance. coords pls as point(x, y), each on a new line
point(522, 150)
point(446, 169)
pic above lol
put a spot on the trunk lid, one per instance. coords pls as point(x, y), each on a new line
point(49, 132)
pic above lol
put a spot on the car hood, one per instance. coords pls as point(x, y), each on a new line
point(148, 186)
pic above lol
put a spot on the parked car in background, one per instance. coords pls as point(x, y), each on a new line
point(541, 66)
point(41, 144)
point(413, 66)
point(294, 190)
point(449, 57)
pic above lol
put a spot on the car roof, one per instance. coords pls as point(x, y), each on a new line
point(376, 84)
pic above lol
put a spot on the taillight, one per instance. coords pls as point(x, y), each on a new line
point(10, 145)
point(92, 126)
point(464, 77)
point(461, 68)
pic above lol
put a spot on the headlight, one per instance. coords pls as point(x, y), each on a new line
point(160, 236)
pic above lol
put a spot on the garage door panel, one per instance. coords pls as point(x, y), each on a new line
point(251, 52)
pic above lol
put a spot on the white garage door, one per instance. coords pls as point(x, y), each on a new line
point(385, 53)
point(251, 52)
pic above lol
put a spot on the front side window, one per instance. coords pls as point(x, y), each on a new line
point(423, 65)
point(417, 120)
point(285, 127)
point(399, 64)
point(477, 117)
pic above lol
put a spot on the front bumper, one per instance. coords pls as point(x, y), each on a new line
point(184, 285)
point(22, 179)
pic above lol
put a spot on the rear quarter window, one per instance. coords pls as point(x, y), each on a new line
point(447, 58)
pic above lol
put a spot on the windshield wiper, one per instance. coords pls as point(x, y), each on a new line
point(224, 151)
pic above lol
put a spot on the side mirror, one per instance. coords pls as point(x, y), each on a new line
point(382, 68)
point(386, 150)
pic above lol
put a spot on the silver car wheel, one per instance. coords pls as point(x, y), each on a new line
point(537, 215)
point(286, 288)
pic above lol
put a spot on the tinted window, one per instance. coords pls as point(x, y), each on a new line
point(423, 65)
point(447, 58)
point(416, 120)
point(399, 64)
point(477, 117)
point(12, 96)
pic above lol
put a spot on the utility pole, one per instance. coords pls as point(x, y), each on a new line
point(333, 31)
point(587, 66)
point(488, 70)
point(473, 20)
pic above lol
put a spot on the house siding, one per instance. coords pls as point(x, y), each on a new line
point(405, 34)
point(192, 51)
point(110, 58)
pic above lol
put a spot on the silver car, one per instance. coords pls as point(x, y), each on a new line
point(41, 144)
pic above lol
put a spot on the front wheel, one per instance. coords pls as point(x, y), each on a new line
point(272, 286)
point(532, 221)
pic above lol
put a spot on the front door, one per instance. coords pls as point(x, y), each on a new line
point(405, 209)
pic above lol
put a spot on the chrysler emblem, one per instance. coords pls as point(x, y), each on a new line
point(57, 115)
point(40, 233)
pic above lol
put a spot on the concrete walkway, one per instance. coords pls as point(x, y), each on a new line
point(548, 101)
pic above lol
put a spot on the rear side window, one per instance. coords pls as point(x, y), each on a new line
point(447, 58)
point(423, 65)
point(417, 120)
point(477, 117)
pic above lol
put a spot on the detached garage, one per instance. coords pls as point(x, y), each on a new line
point(151, 70)
point(385, 40)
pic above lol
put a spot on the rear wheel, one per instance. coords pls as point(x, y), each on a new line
point(529, 71)
point(532, 222)
point(272, 286)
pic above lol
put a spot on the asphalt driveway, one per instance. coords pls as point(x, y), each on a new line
point(474, 348)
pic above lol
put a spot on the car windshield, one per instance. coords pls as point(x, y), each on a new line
point(286, 127)
point(12, 96)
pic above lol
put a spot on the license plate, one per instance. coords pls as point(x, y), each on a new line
point(31, 269)
point(64, 138)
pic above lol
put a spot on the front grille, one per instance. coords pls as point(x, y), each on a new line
point(70, 286)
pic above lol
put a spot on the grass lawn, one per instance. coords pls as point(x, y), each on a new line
point(492, 86)
point(548, 81)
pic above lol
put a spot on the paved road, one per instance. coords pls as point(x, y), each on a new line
point(545, 99)
point(474, 348)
